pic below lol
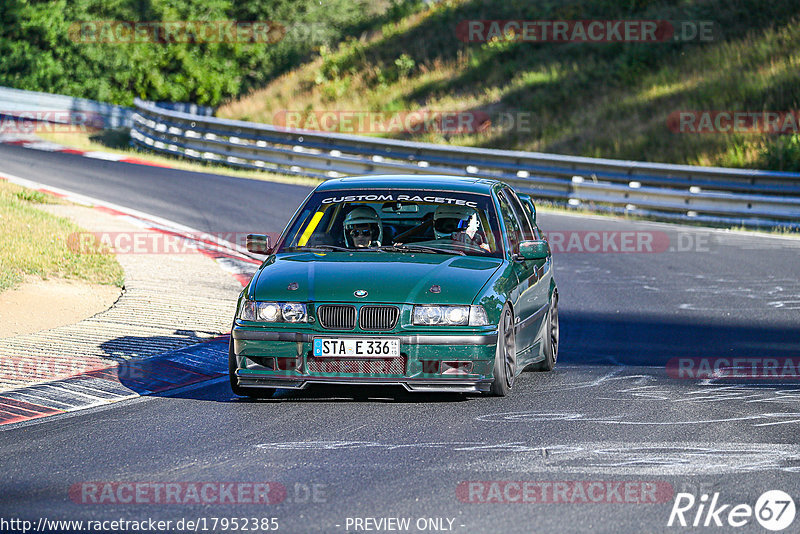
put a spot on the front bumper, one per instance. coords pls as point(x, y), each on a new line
point(254, 346)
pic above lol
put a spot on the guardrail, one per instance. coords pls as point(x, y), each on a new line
point(707, 194)
point(680, 192)
point(47, 107)
point(32, 105)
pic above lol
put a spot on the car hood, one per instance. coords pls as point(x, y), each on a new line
point(387, 277)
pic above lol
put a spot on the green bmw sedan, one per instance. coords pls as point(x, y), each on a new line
point(431, 283)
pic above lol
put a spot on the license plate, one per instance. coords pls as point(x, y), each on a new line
point(357, 347)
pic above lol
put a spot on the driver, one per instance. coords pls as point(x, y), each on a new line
point(362, 228)
point(459, 223)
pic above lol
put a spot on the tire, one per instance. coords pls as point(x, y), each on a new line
point(550, 338)
point(241, 391)
point(505, 357)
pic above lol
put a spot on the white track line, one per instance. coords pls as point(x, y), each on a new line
point(160, 222)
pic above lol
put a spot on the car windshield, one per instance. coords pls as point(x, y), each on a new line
point(396, 220)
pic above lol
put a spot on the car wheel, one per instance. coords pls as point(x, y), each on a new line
point(550, 338)
point(505, 358)
point(235, 387)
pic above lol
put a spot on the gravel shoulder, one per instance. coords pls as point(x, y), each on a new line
point(38, 304)
point(168, 301)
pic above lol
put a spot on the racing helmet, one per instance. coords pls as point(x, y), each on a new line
point(448, 219)
point(363, 215)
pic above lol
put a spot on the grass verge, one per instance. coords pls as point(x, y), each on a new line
point(613, 100)
point(36, 243)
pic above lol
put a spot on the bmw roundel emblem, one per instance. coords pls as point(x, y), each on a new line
point(360, 293)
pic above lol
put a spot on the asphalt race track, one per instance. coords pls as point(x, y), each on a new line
point(611, 413)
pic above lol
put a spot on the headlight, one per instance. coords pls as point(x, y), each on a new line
point(450, 316)
point(273, 312)
point(248, 311)
point(477, 316)
point(269, 312)
point(294, 312)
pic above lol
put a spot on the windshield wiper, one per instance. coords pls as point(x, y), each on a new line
point(323, 247)
point(422, 248)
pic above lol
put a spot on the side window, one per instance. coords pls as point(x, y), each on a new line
point(513, 230)
point(522, 214)
point(531, 219)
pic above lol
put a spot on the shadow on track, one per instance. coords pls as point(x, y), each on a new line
point(629, 340)
point(347, 394)
point(324, 394)
point(199, 363)
point(587, 339)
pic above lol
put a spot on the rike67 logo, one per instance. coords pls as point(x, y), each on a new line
point(774, 510)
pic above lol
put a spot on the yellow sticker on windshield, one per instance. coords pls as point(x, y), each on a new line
point(310, 228)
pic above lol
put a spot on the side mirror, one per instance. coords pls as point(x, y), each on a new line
point(534, 250)
point(258, 244)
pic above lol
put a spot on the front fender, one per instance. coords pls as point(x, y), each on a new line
point(497, 291)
